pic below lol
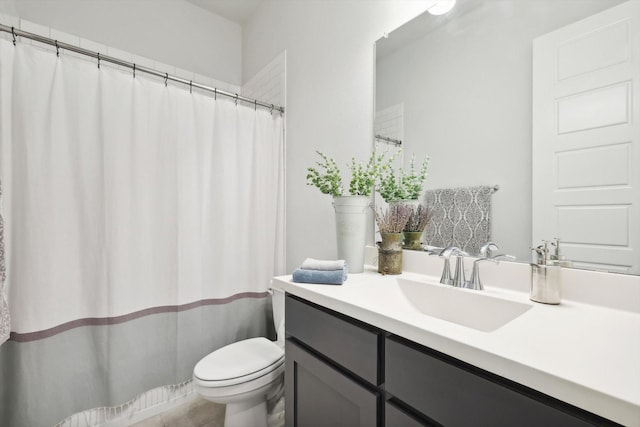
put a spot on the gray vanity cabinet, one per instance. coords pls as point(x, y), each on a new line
point(396, 417)
point(454, 394)
point(331, 369)
point(323, 395)
point(341, 372)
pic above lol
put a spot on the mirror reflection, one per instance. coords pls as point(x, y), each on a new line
point(458, 88)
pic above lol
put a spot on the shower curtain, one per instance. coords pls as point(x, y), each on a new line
point(142, 225)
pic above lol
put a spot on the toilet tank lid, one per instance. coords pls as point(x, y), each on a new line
point(239, 359)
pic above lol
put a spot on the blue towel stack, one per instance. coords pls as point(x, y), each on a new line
point(321, 272)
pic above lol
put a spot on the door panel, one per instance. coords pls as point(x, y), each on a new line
point(586, 149)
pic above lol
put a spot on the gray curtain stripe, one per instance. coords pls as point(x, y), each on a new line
point(102, 321)
point(43, 382)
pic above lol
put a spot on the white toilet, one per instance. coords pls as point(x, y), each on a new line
point(244, 374)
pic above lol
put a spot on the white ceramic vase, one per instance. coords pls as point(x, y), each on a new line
point(410, 202)
point(351, 229)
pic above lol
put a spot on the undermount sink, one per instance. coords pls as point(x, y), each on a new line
point(473, 309)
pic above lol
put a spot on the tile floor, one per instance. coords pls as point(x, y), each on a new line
point(199, 413)
point(202, 413)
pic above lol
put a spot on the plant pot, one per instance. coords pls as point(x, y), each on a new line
point(351, 229)
point(412, 240)
point(390, 253)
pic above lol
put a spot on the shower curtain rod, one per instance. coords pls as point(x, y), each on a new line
point(397, 142)
point(99, 57)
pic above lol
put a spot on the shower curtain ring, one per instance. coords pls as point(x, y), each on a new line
point(215, 94)
point(13, 33)
point(255, 105)
point(134, 70)
point(271, 110)
point(98, 60)
point(57, 48)
point(236, 100)
point(166, 77)
point(190, 86)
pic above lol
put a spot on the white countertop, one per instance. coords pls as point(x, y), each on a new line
point(583, 354)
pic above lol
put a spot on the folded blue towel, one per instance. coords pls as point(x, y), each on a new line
point(326, 277)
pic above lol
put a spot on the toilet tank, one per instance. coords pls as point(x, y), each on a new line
point(277, 305)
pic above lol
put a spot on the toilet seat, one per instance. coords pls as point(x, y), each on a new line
point(239, 362)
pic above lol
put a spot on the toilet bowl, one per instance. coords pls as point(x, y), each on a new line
point(244, 374)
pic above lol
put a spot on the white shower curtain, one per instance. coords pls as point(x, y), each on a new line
point(5, 320)
point(142, 225)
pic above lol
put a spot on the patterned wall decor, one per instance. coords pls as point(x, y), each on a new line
point(461, 217)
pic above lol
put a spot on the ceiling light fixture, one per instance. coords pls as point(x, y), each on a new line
point(441, 7)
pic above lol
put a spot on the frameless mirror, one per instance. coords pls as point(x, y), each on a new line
point(458, 87)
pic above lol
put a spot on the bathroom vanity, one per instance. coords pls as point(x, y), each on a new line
point(367, 354)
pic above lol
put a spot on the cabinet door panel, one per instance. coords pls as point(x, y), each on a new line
point(454, 397)
point(395, 417)
point(317, 395)
point(347, 344)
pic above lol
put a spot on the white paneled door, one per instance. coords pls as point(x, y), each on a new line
point(586, 149)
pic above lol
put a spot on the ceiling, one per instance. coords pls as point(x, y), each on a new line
point(234, 10)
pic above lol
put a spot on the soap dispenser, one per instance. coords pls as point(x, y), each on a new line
point(557, 258)
point(545, 277)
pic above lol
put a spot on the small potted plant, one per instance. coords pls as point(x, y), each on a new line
point(415, 226)
point(402, 186)
point(350, 209)
point(390, 223)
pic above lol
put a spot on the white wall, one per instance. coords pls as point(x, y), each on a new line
point(466, 88)
point(330, 68)
point(269, 84)
point(171, 31)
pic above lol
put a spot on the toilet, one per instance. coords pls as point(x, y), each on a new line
point(244, 374)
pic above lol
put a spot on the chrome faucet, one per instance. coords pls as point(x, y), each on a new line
point(446, 253)
point(475, 283)
point(458, 278)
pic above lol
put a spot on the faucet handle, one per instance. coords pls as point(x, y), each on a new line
point(432, 250)
point(452, 250)
point(485, 250)
point(448, 251)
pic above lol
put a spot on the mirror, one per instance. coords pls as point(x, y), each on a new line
point(458, 87)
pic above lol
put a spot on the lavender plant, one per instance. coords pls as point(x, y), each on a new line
point(419, 218)
point(393, 219)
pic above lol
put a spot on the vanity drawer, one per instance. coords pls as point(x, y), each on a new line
point(345, 342)
point(454, 395)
